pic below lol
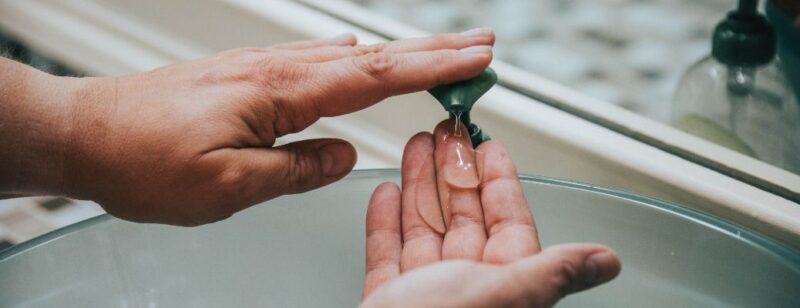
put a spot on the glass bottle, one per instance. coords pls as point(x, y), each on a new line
point(738, 96)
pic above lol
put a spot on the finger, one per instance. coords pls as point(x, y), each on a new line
point(347, 39)
point(509, 223)
point(480, 36)
point(474, 37)
point(351, 84)
point(423, 226)
point(457, 182)
point(252, 175)
point(384, 240)
point(561, 270)
point(325, 53)
point(309, 164)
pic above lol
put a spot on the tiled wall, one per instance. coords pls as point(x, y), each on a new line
point(628, 52)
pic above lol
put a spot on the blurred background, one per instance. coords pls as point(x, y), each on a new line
point(630, 53)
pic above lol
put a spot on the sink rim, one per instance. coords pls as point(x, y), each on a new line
point(753, 238)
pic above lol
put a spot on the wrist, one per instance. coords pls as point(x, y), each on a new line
point(89, 110)
point(35, 128)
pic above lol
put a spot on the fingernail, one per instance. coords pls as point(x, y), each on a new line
point(331, 166)
point(342, 38)
point(482, 49)
point(594, 265)
point(484, 31)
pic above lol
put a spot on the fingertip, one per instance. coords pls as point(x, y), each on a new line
point(485, 35)
point(497, 161)
point(448, 127)
point(492, 39)
point(384, 204)
point(346, 39)
point(418, 147)
point(482, 36)
point(481, 55)
point(491, 145)
point(495, 151)
point(598, 263)
point(564, 269)
point(443, 124)
point(338, 158)
point(602, 267)
point(420, 138)
point(383, 237)
point(386, 190)
point(466, 63)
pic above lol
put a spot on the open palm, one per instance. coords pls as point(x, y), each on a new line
point(461, 237)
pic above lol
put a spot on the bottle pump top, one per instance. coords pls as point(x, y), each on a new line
point(744, 38)
point(458, 98)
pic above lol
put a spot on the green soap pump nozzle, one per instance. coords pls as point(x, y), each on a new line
point(744, 38)
point(458, 98)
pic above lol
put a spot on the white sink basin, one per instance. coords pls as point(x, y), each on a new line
point(308, 251)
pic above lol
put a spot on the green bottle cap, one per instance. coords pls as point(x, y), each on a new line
point(460, 96)
point(744, 37)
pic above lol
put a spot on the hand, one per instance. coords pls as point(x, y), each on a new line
point(486, 252)
point(192, 143)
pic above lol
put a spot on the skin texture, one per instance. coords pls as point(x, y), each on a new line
point(490, 254)
point(193, 143)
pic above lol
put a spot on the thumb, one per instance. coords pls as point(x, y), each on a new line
point(309, 164)
point(253, 175)
point(561, 270)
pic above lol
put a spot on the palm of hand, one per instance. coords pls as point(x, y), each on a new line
point(483, 257)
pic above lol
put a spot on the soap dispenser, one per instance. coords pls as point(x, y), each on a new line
point(738, 96)
point(458, 98)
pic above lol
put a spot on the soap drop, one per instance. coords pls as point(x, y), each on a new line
point(456, 130)
point(460, 170)
point(456, 169)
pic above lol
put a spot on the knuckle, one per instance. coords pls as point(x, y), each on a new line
point(460, 219)
point(232, 182)
point(281, 123)
point(564, 277)
point(417, 232)
point(377, 65)
point(379, 264)
point(287, 119)
point(368, 49)
point(275, 69)
point(557, 279)
point(303, 171)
